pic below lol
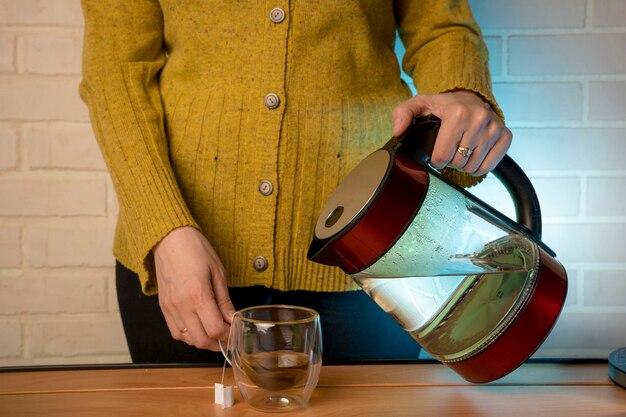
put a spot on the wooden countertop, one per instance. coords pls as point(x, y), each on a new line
point(535, 389)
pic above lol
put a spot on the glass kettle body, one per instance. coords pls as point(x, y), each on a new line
point(478, 291)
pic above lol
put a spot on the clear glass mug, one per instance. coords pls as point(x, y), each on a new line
point(276, 354)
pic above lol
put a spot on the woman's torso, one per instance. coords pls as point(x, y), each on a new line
point(332, 67)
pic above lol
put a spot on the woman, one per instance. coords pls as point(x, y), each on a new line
point(226, 125)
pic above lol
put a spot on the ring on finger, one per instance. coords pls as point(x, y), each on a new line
point(465, 152)
point(184, 330)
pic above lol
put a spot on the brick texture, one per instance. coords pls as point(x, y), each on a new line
point(596, 283)
point(59, 294)
point(98, 336)
point(8, 147)
point(559, 196)
point(609, 13)
point(41, 12)
point(607, 100)
point(605, 196)
point(494, 44)
point(43, 197)
point(58, 145)
point(540, 101)
point(70, 245)
point(573, 279)
point(578, 149)
point(568, 54)
point(10, 339)
point(529, 14)
point(10, 246)
point(51, 53)
point(579, 333)
point(559, 71)
point(587, 242)
point(7, 52)
point(41, 98)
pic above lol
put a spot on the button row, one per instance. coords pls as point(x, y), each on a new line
point(272, 101)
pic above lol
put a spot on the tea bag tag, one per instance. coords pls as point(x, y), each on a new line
point(224, 395)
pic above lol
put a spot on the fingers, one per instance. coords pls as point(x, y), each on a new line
point(462, 137)
point(176, 326)
point(222, 298)
point(471, 138)
point(193, 294)
point(211, 317)
point(202, 336)
point(475, 140)
point(404, 113)
point(193, 322)
point(450, 135)
point(479, 139)
point(200, 324)
point(495, 154)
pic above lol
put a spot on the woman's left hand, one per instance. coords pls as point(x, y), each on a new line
point(472, 138)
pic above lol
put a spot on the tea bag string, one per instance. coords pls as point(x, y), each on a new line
point(230, 332)
point(224, 395)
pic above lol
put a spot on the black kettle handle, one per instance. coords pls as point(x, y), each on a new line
point(519, 187)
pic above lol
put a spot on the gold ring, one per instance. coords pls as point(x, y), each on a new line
point(184, 330)
point(465, 152)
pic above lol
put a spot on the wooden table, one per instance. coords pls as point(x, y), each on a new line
point(536, 389)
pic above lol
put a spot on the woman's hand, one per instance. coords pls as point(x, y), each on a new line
point(192, 289)
point(472, 138)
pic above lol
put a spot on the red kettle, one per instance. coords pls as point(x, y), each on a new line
point(477, 290)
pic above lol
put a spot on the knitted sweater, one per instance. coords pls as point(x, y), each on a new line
point(240, 118)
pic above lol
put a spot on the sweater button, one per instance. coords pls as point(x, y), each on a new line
point(277, 15)
point(260, 263)
point(272, 101)
point(266, 188)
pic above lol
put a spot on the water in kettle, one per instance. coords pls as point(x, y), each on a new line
point(453, 316)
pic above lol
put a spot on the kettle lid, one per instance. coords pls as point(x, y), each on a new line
point(353, 195)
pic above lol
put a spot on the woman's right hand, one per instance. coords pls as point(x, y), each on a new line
point(192, 289)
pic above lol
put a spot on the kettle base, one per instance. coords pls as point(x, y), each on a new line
point(617, 367)
point(525, 333)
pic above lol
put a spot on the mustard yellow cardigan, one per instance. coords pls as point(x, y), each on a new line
point(196, 103)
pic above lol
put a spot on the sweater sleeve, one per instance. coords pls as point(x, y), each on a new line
point(445, 51)
point(122, 56)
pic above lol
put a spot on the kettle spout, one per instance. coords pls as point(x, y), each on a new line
point(322, 252)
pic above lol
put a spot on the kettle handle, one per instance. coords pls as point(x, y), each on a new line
point(522, 192)
point(515, 181)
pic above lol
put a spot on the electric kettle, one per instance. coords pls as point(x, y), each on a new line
point(478, 291)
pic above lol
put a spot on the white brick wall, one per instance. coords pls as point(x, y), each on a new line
point(10, 247)
point(8, 144)
point(560, 76)
point(57, 145)
point(608, 13)
point(559, 71)
point(57, 206)
point(7, 58)
point(41, 12)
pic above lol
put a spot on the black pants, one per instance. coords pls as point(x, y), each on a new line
point(354, 328)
